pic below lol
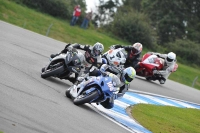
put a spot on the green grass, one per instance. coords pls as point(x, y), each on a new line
point(61, 30)
point(186, 75)
point(167, 119)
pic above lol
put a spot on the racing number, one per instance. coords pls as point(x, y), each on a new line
point(110, 85)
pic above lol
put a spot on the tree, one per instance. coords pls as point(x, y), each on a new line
point(133, 27)
point(173, 19)
point(106, 11)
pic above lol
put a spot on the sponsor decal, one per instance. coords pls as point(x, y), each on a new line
point(110, 85)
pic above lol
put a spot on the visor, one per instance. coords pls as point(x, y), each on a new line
point(96, 52)
point(134, 51)
point(127, 78)
point(169, 60)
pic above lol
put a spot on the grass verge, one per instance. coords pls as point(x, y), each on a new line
point(167, 119)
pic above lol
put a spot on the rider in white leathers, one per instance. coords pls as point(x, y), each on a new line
point(169, 64)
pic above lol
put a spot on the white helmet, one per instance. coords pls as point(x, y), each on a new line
point(128, 75)
point(137, 48)
point(116, 57)
point(97, 49)
point(171, 57)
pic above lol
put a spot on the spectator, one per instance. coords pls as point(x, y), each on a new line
point(86, 20)
point(76, 14)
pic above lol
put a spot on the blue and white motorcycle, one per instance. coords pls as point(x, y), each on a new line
point(94, 90)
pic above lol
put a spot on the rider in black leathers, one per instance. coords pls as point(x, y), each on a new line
point(92, 56)
point(133, 54)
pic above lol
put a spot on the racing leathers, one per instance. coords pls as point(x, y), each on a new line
point(168, 68)
point(132, 59)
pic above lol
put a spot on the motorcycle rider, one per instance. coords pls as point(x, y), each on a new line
point(169, 65)
point(92, 56)
point(115, 58)
point(125, 75)
point(133, 53)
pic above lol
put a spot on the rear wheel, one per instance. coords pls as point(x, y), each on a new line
point(52, 71)
point(148, 78)
point(86, 98)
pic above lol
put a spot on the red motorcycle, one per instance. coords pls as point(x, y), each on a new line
point(148, 64)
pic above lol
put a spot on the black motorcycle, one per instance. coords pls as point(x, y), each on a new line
point(63, 65)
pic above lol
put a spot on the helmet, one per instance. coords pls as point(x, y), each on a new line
point(137, 48)
point(97, 49)
point(128, 75)
point(116, 56)
point(170, 57)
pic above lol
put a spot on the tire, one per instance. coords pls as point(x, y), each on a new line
point(148, 78)
point(81, 99)
point(53, 72)
point(67, 93)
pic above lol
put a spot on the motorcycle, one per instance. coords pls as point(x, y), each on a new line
point(115, 57)
point(63, 65)
point(93, 90)
point(148, 64)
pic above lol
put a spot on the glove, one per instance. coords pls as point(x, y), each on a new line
point(155, 72)
point(102, 70)
point(158, 54)
point(104, 74)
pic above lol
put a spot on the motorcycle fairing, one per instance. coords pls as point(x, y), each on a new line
point(151, 61)
point(102, 84)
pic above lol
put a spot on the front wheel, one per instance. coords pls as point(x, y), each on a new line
point(86, 98)
point(52, 72)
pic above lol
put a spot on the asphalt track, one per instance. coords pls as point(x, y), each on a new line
point(30, 104)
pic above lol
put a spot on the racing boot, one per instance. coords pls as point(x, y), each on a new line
point(108, 103)
point(72, 79)
point(162, 81)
